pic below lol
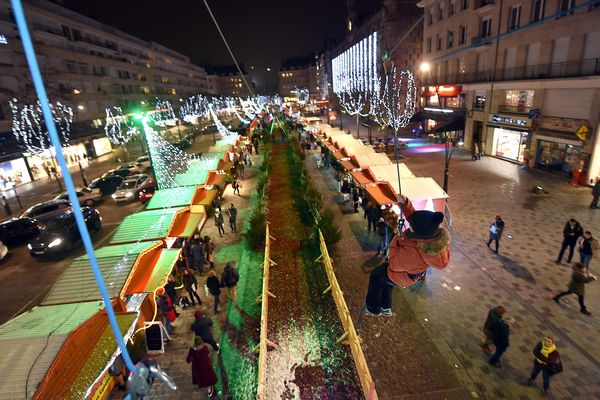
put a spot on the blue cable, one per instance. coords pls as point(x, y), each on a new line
point(55, 140)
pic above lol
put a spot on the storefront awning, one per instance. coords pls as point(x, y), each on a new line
point(186, 223)
point(203, 197)
point(116, 263)
point(144, 226)
point(381, 194)
point(30, 342)
point(347, 165)
point(190, 178)
point(150, 271)
point(363, 177)
point(84, 358)
point(173, 197)
point(366, 160)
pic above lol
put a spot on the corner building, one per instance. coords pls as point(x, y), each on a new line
point(525, 75)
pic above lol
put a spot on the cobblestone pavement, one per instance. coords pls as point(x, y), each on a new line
point(452, 305)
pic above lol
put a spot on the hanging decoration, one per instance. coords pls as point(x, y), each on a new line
point(30, 129)
point(193, 108)
point(163, 114)
point(220, 127)
point(117, 127)
point(303, 95)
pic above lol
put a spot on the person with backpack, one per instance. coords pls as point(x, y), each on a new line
point(496, 229)
point(229, 280)
point(214, 288)
point(571, 232)
point(201, 328)
point(546, 360)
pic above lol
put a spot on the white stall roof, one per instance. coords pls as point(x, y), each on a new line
point(419, 188)
point(367, 160)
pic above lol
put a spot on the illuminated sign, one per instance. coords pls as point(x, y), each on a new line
point(3, 39)
point(504, 119)
point(443, 91)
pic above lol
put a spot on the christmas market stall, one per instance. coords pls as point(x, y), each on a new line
point(378, 173)
point(423, 192)
point(361, 161)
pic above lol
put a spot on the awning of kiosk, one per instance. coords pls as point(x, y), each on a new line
point(203, 197)
point(116, 263)
point(215, 178)
point(191, 178)
point(186, 223)
point(378, 173)
point(366, 160)
point(150, 271)
point(173, 197)
point(84, 358)
point(204, 164)
point(30, 342)
point(381, 193)
point(145, 225)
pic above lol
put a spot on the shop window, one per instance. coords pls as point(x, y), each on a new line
point(453, 102)
point(518, 100)
point(479, 103)
point(514, 18)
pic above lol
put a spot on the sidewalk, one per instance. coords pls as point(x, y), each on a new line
point(449, 310)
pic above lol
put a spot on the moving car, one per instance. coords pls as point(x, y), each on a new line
point(142, 163)
point(86, 196)
point(60, 235)
point(42, 212)
point(130, 187)
point(18, 230)
point(146, 193)
point(107, 183)
point(124, 170)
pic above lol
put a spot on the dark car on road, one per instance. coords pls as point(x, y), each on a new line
point(107, 184)
point(43, 212)
point(60, 235)
point(18, 230)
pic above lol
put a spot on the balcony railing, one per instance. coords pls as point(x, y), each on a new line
point(545, 71)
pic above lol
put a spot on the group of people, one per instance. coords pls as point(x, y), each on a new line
point(220, 221)
point(546, 358)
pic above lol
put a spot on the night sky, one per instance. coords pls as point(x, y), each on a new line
point(260, 33)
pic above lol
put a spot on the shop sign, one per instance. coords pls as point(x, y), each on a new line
point(443, 91)
point(508, 120)
point(562, 124)
point(582, 132)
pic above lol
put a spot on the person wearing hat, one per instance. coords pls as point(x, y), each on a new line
point(166, 308)
point(201, 328)
point(425, 244)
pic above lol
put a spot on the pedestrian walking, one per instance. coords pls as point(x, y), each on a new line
point(372, 216)
point(171, 290)
point(198, 255)
point(229, 280)
point(201, 328)
point(6, 206)
point(586, 245)
point(190, 283)
point(500, 330)
point(219, 223)
point(571, 232)
point(546, 360)
point(493, 315)
point(579, 278)
point(232, 214)
point(241, 170)
point(203, 374)
point(382, 232)
point(595, 193)
point(209, 250)
point(496, 229)
point(355, 198)
point(166, 308)
point(236, 186)
point(214, 288)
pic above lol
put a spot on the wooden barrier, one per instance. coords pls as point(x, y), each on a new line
point(350, 336)
point(264, 317)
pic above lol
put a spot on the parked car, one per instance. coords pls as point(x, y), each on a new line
point(86, 196)
point(146, 193)
point(18, 230)
point(130, 187)
point(42, 212)
point(60, 235)
point(143, 163)
point(107, 183)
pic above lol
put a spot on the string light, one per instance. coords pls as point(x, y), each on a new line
point(29, 127)
point(400, 98)
point(163, 114)
point(194, 107)
point(302, 94)
point(117, 127)
point(220, 127)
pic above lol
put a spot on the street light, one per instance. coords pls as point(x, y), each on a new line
point(425, 67)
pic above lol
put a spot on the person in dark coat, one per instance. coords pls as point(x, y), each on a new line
point(197, 254)
point(6, 206)
point(190, 283)
point(500, 332)
point(579, 278)
point(546, 356)
point(172, 291)
point(209, 249)
point(214, 288)
point(166, 308)
point(382, 233)
point(203, 373)
point(496, 229)
point(571, 232)
point(229, 280)
point(586, 245)
point(232, 213)
point(201, 328)
point(355, 198)
point(595, 193)
point(372, 216)
point(219, 222)
point(493, 315)
point(236, 186)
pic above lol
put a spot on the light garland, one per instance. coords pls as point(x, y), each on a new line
point(29, 128)
point(400, 98)
point(117, 127)
point(303, 95)
point(220, 127)
point(163, 114)
point(194, 107)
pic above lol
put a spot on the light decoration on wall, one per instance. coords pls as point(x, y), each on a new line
point(117, 127)
point(163, 114)
point(220, 127)
point(29, 128)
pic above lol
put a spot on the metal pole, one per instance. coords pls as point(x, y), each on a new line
point(17, 197)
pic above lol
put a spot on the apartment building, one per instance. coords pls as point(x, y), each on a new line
point(89, 66)
point(299, 72)
point(524, 76)
point(226, 80)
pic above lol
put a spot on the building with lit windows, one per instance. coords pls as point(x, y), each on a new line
point(299, 72)
point(523, 76)
point(89, 66)
point(227, 81)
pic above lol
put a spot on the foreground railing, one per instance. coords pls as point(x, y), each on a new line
point(350, 337)
point(264, 317)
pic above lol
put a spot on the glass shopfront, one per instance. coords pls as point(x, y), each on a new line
point(43, 164)
point(509, 144)
point(559, 157)
point(13, 172)
point(102, 146)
